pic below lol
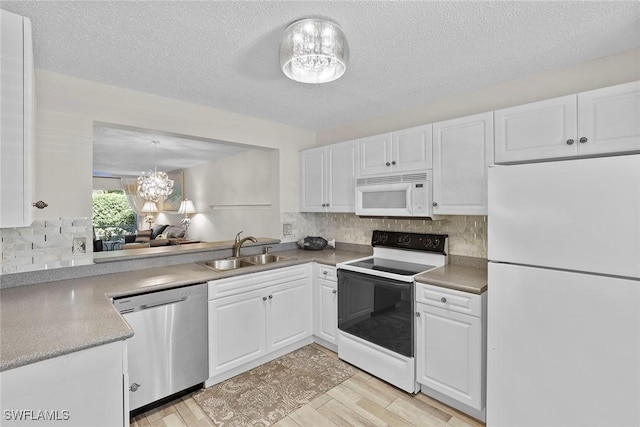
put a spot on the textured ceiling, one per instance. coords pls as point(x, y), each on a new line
point(403, 54)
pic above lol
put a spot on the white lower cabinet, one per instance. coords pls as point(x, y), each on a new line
point(84, 388)
point(326, 305)
point(237, 332)
point(253, 316)
point(451, 347)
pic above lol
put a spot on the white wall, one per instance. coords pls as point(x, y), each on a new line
point(607, 71)
point(241, 194)
point(67, 108)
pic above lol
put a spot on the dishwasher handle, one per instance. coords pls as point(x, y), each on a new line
point(151, 300)
point(161, 303)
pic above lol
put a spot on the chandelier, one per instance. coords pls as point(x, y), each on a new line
point(314, 51)
point(154, 186)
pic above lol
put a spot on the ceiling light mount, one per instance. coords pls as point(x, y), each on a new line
point(314, 50)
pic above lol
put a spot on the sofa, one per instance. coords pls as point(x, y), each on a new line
point(159, 235)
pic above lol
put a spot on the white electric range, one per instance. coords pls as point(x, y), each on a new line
point(376, 304)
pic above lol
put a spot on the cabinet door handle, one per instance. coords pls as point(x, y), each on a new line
point(417, 314)
point(325, 272)
point(334, 291)
point(583, 139)
point(264, 298)
point(39, 204)
point(270, 296)
point(570, 141)
point(134, 387)
point(393, 162)
point(435, 204)
point(388, 164)
point(443, 299)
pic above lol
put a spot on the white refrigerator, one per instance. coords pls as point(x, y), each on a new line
point(564, 293)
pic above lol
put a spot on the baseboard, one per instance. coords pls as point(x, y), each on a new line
point(257, 362)
point(472, 412)
point(325, 344)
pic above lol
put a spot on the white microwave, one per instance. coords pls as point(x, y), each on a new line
point(395, 195)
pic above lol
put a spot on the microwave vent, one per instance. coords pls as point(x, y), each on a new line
point(392, 179)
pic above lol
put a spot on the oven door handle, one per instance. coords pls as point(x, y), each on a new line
point(373, 279)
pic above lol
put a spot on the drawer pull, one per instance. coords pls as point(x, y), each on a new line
point(334, 291)
point(443, 299)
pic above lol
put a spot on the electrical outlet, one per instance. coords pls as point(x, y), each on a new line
point(287, 229)
point(79, 246)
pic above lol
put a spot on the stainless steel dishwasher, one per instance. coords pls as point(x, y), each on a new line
point(168, 352)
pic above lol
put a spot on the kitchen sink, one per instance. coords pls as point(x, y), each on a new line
point(228, 264)
point(241, 262)
point(266, 259)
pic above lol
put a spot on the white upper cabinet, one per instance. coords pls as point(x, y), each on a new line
point(407, 150)
point(411, 149)
point(313, 169)
point(600, 121)
point(462, 152)
point(609, 119)
point(341, 177)
point(375, 155)
point(16, 135)
point(539, 130)
point(328, 178)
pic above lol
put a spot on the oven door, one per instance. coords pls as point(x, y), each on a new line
point(377, 309)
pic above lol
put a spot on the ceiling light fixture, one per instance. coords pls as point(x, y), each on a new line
point(314, 51)
point(154, 186)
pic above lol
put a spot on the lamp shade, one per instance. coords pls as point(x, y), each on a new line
point(187, 207)
point(149, 207)
point(314, 51)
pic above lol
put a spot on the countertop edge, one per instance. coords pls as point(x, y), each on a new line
point(39, 357)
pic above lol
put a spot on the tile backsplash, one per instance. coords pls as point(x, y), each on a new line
point(467, 234)
point(61, 242)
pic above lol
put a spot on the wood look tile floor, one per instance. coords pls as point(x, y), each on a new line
point(362, 400)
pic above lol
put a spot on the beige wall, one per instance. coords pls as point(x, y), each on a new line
point(607, 71)
point(67, 108)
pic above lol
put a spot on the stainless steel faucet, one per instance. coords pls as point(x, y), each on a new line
point(237, 244)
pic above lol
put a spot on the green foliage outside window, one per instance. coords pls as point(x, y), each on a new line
point(113, 217)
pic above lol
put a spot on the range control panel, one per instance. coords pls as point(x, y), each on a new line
point(413, 241)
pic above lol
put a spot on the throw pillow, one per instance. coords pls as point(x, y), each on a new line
point(157, 230)
point(143, 236)
point(163, 236)
point(174, 232)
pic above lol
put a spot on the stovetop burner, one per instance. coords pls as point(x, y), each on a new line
point(392, 266)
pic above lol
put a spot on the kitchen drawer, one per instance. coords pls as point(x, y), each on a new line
point(250, 282)
point(449, 299)
point(326, 272)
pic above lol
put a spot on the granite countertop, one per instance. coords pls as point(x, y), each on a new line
point(47, 320)
point(472, 279)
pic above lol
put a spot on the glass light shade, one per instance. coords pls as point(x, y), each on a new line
point(154, 186)
point(314, 51)
point(187, 207)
